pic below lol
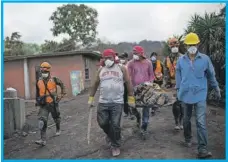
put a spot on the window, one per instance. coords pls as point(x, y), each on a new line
point(86, 63)
point(86, 73)
point(87, 69)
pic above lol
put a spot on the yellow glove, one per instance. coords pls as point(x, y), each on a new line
point(131, 101)
point(90, 101)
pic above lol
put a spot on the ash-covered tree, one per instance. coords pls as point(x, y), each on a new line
point(78, 21)
point(49, 46)
point(13, 45)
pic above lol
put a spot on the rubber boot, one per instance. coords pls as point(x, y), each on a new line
point(58, 132)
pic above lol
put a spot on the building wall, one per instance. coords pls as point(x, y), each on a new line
point(92, 63)
point(61, 68)
point(14, 78)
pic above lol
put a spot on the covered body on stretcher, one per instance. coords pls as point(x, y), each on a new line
point(152, 96)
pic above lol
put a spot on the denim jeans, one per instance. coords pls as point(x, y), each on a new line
point(109, 118)
point(145, 117)
point(202, 137)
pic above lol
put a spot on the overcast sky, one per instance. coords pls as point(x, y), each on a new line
point(117, 22)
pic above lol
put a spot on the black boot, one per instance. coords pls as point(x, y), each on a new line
point(57, 129)
point(144, 131)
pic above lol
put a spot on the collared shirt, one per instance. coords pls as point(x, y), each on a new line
point(192, 78)
point(140, 71)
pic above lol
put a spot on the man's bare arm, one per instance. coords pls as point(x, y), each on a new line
point(95, 84)
point(127, 81)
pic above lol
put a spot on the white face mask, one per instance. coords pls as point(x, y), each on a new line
point(135, 57)
point(174, 50)
point(153, 58)
point(109, 63)
point(192, 50)
point(44, 75)
point(122, 61)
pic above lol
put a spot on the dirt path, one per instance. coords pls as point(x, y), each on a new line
point(163, 141)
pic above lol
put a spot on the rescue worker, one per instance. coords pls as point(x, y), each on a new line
point(158, 72)
point(48, 100)
point(170, 64)
point(141, 71)
point(158, 68)
point(193, 71)
point(111, 78)
point(123, 59)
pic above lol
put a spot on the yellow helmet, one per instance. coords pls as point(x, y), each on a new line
point(45, 66)
point(191, 39)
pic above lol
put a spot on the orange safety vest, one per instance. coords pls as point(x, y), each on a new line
point(158, 67)
point(51, 86)
point(158, 70)
point(171, 66)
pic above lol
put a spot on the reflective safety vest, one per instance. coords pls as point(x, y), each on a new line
point(51, 86)
point(171, 66)
point(158, 67)
point(158, 70)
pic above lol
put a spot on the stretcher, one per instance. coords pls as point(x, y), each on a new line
point(152, 96)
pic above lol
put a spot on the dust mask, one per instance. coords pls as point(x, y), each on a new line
point(153, 58)
point(135, 57)
point(44, 75)
point(122, 61)
point(109, 63)
point(174, 50)
point(192, 50)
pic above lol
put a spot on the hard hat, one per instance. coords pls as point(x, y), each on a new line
point(173, 42)
point(191, 39)
point(45, 66)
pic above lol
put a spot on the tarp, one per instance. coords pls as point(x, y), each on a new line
point(153, 95)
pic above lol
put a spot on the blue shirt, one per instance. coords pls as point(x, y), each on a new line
point(192, 78)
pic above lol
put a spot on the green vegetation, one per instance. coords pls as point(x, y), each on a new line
point(80, 22)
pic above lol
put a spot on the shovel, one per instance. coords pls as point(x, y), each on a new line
point(89, 123)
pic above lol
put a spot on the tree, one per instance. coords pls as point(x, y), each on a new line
point(78, 21)
point(13, 44)
point(67, 45)
point(49, 46)
point(31, 49)
point(53, 46)
point(211, 29)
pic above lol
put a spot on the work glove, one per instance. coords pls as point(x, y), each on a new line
point(218, 93)
point(90, 101)
point(131, 101)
